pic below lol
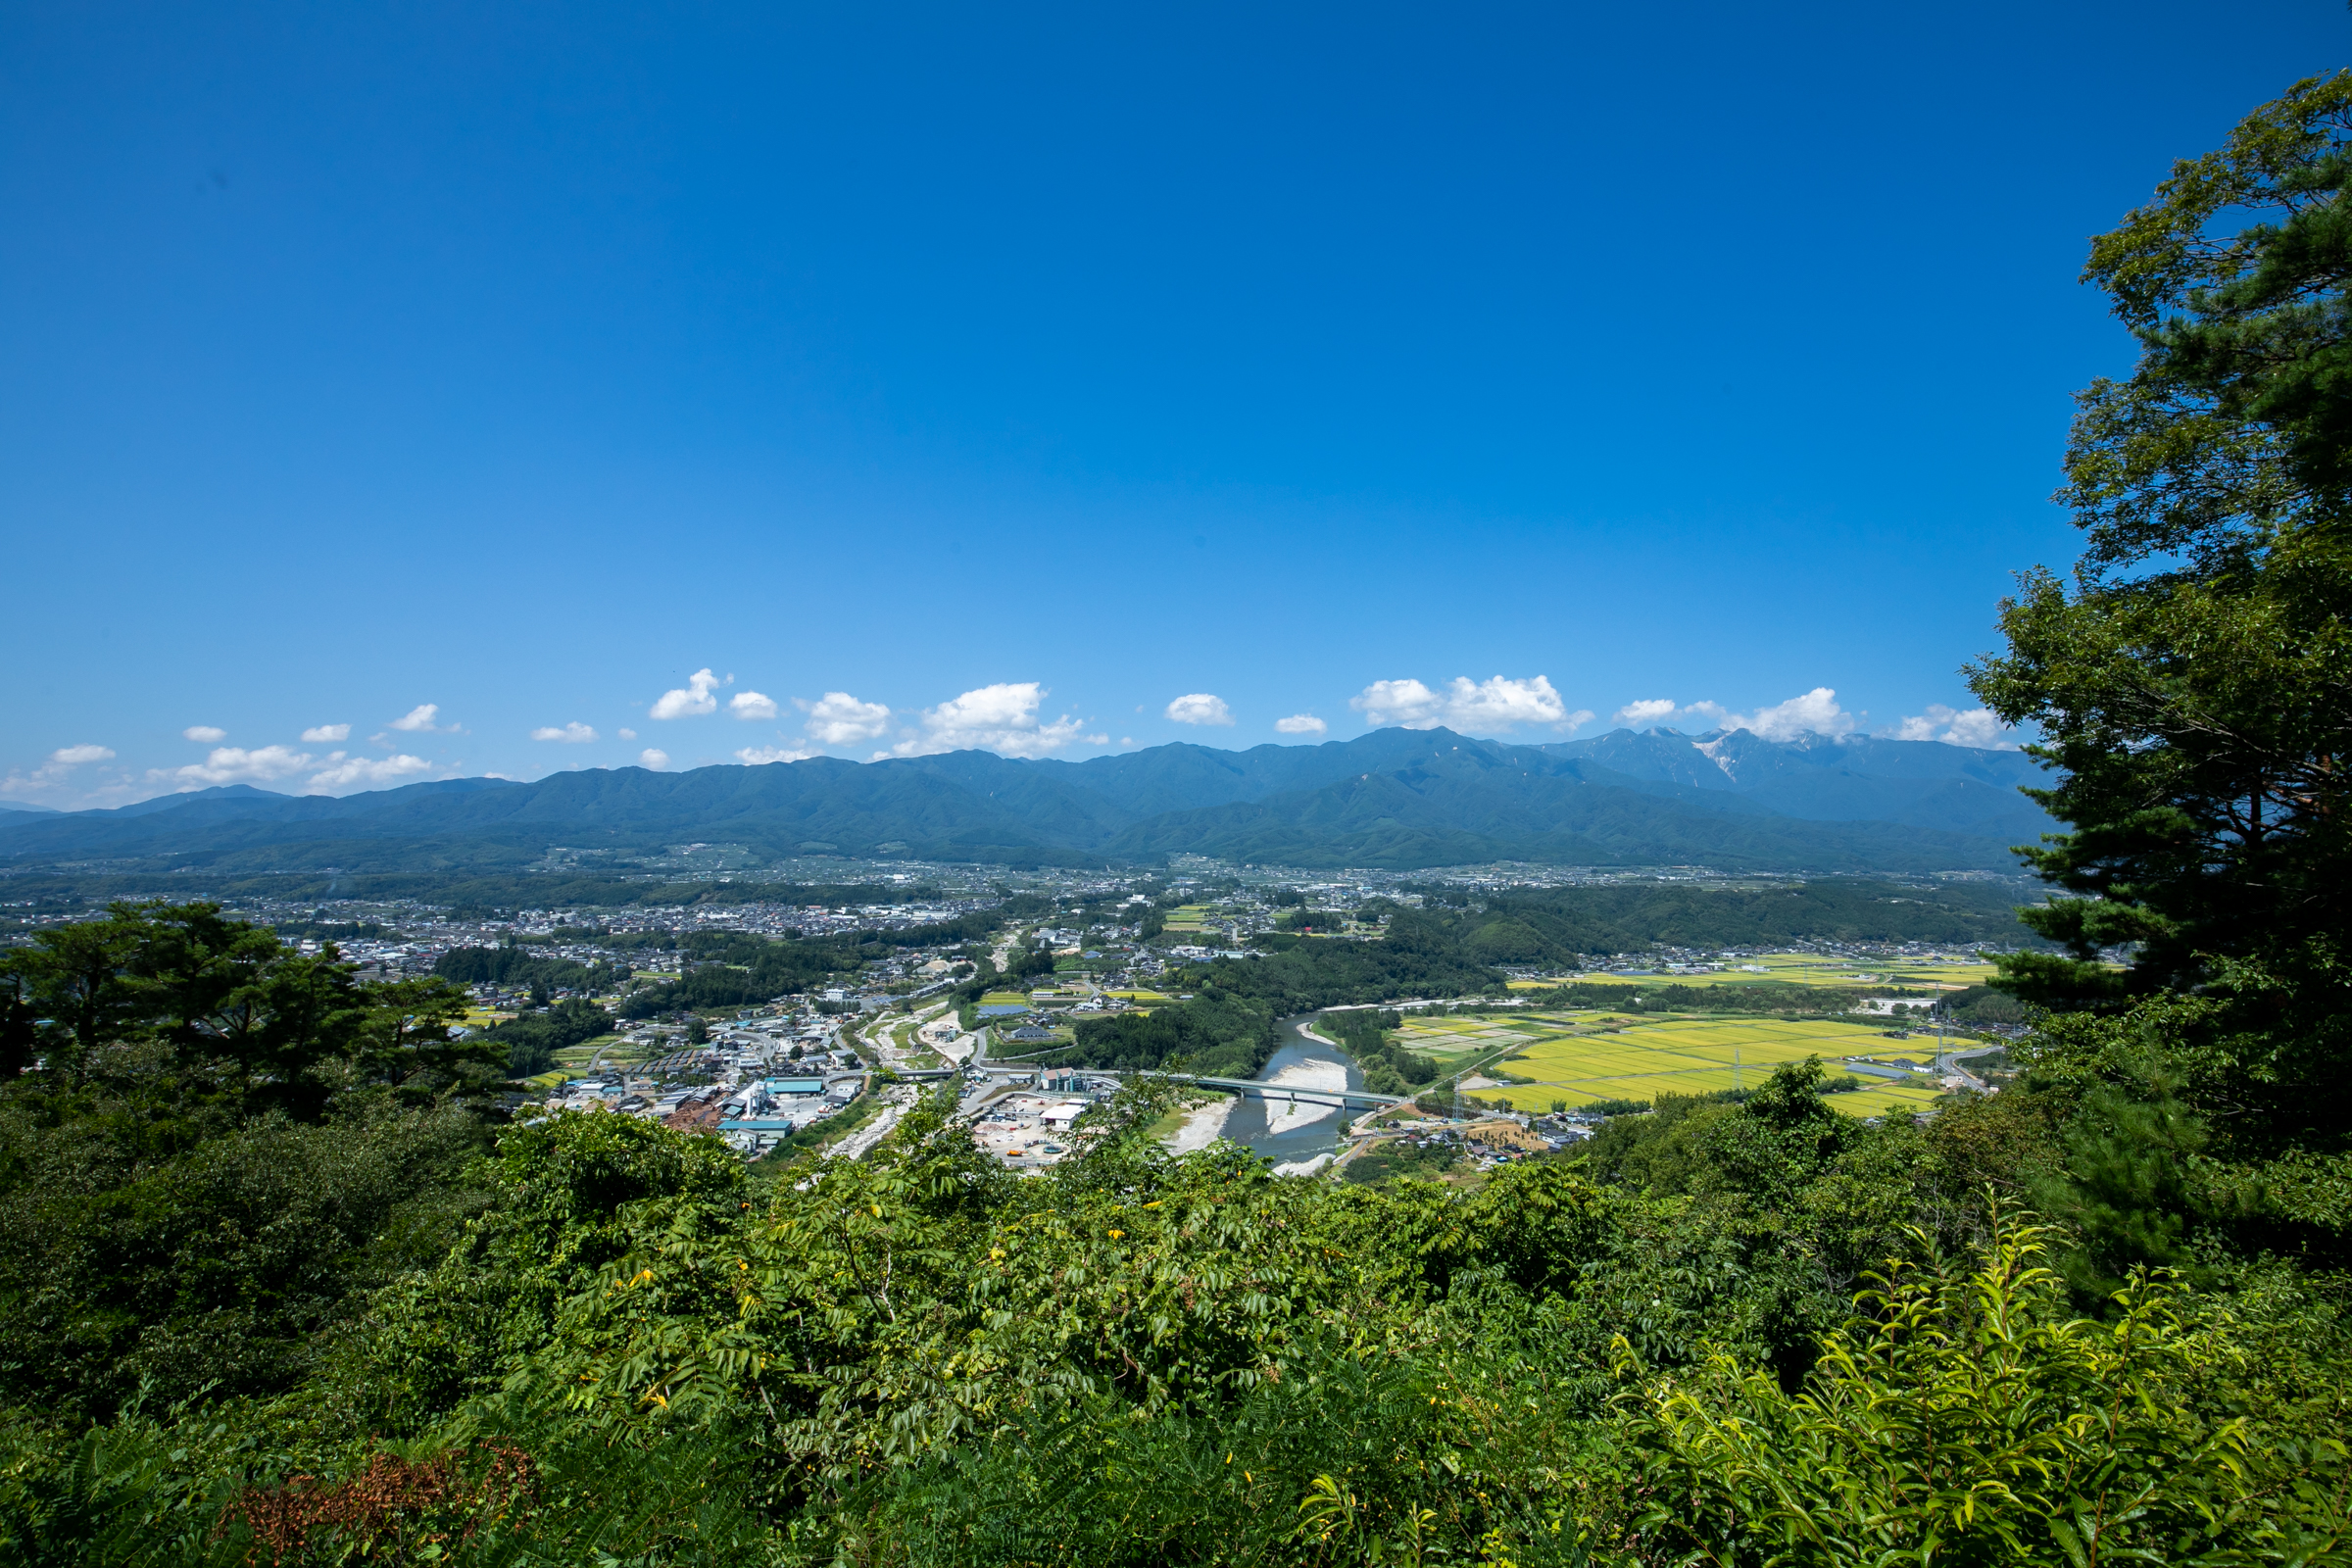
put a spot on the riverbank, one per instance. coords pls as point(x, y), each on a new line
point(1201, 1126)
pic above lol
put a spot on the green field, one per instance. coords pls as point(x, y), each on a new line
point(1451, 1042)
point(615, 1052)
point(1570, 1058)
point(1808, 969)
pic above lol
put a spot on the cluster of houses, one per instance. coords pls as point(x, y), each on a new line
point(1492, 1140)
point(768, 1074)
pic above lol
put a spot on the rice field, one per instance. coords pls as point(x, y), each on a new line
point(1448, 1040)
point(1572, 1056)
point(1948, 973)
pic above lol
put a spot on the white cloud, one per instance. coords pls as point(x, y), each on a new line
point(761, 755)
point(205, 734)
point(1199, 707)
point(839, 719)
point(690, 700)
point(1493, 705)
point(1399, 702)
point(420, 718)
point(999, 718)
point(1816, 713)
point(316, 735)
point(574, 733)
point(653, 757)
point(1645, 712)
point(1301, 724)
point(53, 772)
point(364, 772)
point(752, 705)
point(234, 765)
point(627, 734)
point(1979, 728)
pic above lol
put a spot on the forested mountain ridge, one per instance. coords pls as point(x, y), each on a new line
point(1395, 798)
point(1838, 778)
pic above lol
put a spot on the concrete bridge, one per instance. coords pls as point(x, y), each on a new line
point(1344, 1098)
point(1248, 1087)
point(1244, 1087)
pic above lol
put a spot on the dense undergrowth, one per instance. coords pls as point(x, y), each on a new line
point(1819, 1342)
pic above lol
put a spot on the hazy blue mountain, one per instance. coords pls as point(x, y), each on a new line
point(1184, 777)
point(1469, 801)
point(1395, 798)
point(1837, 779)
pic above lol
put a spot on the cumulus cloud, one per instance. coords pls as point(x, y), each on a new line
point(316, 735)
point(419, 719)
point(1647, 711)
point(1491, 705)
point(1816, 713)
point(839, 719)
point(1000, 718)
point(1978, 726)
point(343, 772)
point(234, 765)
point(205, 734)
point(1199, 707)
point(574, 733)
point(1301, 724)
point(761, 755)
point(752, 705)
point(655, 758)
point(627, 734)
point(55, 770)
point(690, 700)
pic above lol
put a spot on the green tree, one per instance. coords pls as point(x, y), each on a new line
point(2194, 684)
point(73, 975)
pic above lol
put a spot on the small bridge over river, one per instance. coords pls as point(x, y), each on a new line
point(1247, 1088)
point(1303, 1094)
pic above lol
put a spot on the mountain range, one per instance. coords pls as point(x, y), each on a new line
point(1396, 797)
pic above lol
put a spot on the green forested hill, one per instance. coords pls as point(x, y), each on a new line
point(1395, 798)
point(1561, 925)
point(1459, 810)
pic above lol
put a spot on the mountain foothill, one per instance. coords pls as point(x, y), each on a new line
point(1393, 798)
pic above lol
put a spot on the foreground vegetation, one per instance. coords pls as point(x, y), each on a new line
point(1766, 1328)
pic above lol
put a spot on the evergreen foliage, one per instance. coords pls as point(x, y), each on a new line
point(523, 967)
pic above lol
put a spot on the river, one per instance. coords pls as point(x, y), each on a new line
point(1300, 1137)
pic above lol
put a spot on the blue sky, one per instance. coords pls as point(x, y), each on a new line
point(1021, 370)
